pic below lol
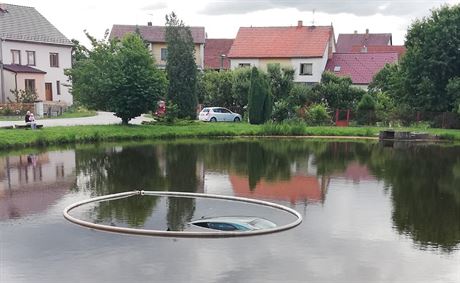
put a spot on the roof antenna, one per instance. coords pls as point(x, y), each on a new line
point(313, 21)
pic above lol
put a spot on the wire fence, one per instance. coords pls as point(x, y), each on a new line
point(445, 120)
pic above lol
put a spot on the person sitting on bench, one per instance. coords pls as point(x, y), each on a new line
point(30, 120)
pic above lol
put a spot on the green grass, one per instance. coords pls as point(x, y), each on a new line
point(15, 138)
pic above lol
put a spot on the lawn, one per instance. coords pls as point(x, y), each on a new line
point(14, 138)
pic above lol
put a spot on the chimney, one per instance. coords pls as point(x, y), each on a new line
point(299, 24)
point(367, 31)
point(356, 32)
point(149, 24)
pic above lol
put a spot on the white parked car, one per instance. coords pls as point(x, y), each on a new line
point(218, 114)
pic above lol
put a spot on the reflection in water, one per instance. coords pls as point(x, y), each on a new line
point(31, 183)
point(422, 180)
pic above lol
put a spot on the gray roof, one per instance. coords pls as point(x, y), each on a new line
point(20, 23)
point(154, 33)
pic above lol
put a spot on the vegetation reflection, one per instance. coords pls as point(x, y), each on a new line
point(423, 179)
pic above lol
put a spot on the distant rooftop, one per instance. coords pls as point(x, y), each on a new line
point(154, 33)
point(213, 51)
point(21, 23)
point(346, 42)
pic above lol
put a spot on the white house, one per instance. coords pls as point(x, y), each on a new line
point(306, 49)
point(33, 55)
point(155, 35)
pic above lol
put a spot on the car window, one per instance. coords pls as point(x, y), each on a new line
point(226, 111)
point(221, 226)
point(217, 110)
point(205, 110)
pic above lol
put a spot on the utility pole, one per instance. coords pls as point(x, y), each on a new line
point(2, 77)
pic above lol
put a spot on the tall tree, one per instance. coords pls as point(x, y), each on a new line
point(181, 68)
point(118, 76)
point(260, 104)
point(432, 59)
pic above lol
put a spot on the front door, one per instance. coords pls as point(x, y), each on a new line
point(49, 91)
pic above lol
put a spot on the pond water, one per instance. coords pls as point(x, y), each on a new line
point(372, 212)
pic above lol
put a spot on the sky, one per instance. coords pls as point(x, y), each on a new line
point(222, 18)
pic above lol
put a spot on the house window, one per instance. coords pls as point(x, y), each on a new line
point(306, 69)
point(164, 54)
point(29, 85)
point(58, 87)
point(54, 60)
point(16, 56)
point(244, 65)
point(31, 58)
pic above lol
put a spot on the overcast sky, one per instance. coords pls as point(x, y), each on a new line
point(222, 18)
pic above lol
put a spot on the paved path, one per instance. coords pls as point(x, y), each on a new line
point(102, 118)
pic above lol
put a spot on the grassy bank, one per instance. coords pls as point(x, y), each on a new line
point(14, 138)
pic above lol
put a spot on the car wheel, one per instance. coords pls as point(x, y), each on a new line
point(213, 119)
point(236, 120)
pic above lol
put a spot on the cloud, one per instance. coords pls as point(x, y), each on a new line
point(356, 7)
point(155, 6)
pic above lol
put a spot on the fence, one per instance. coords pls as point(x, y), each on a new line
point(15, 109)
point(445, 120)
point(45, 108)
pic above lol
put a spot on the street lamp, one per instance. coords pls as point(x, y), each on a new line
point(222, 57)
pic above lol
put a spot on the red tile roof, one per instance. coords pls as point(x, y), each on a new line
point(345, 42)
point(281, 42)
point(22, 69)
point(154, 33)
point(360, 67)
point(213, 49)
point(400, 49)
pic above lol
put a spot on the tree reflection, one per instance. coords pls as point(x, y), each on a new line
point(423, 180)
point(425, 192)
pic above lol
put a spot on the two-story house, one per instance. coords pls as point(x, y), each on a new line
point(306, 49)
point(33, 55)
point(155, 36)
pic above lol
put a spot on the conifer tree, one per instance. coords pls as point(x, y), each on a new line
point(260, 103)
point(181, 68)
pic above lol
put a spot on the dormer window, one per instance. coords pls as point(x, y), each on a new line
point(16, 57)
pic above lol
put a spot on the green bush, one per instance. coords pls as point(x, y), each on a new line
point(317, 115)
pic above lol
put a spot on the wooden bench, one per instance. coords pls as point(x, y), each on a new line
point(27, 126)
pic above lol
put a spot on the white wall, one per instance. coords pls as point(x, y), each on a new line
point(234, 63)
point(42, 62)
point(318, 64)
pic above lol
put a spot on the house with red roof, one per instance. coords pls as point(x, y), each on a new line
point(360, 67)
point(306, 49)
point(216, 54)
point(155, 35)
point(362, 56)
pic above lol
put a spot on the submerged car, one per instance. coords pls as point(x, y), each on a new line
point(234, 223)
point(218, 114)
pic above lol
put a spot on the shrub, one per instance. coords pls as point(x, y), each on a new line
point(317, 115)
